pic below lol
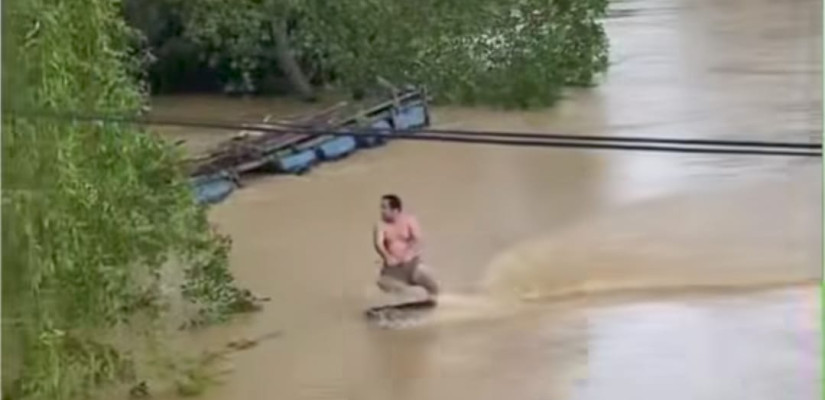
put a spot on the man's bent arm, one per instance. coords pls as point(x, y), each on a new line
point(415, 236)
point(378, 242)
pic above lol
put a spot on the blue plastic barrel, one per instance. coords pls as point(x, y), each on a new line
point(411, 116)
point(337, 147)
point(382, 125)
point(295, 163)
point(213, 189)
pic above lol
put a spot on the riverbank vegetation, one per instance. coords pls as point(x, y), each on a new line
point(103, 246)
point(104, 249)
point(517, 53)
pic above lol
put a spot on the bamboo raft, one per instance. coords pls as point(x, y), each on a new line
point(216, 174)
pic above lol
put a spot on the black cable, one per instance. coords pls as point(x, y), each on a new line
point(571, 144)
point(594, 138)
point(494, 138)
point(637, 139)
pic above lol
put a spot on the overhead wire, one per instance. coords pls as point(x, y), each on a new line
point(500, 138)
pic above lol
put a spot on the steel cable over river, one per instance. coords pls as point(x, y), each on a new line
point(525, 139)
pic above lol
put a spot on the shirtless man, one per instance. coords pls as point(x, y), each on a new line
point(398, 242)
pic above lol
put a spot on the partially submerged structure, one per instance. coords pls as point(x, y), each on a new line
point(295, 146)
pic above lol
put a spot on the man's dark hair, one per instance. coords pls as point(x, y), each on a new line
point(393, 200)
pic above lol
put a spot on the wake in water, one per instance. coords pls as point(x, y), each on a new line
point(450, 308)
point(763, 235)
point(464, 308)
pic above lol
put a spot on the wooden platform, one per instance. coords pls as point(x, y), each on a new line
point(295, 152)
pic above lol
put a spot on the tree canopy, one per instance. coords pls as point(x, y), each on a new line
point(505, 52)
point(100, 228)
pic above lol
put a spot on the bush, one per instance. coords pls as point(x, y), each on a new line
point(92, 213)
point(515, 53)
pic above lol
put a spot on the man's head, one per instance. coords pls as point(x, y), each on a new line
point(390, 207)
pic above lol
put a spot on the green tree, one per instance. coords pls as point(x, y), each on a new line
point(509, 52)
point(95, 216)
point(244, 38)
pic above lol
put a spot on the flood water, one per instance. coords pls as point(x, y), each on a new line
point(569, 274)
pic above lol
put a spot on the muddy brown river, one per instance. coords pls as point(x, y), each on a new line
point(569, 274)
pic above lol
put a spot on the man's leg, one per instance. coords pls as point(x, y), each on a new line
point(424, 278)
point(390, 284)
point(394, 279)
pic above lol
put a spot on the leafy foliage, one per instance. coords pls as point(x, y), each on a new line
point(509, 52)
point(517, 53)
point(91, 213)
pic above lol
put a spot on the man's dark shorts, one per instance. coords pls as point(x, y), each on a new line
point(404, 272)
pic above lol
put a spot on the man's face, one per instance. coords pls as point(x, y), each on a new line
point(387, 212)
